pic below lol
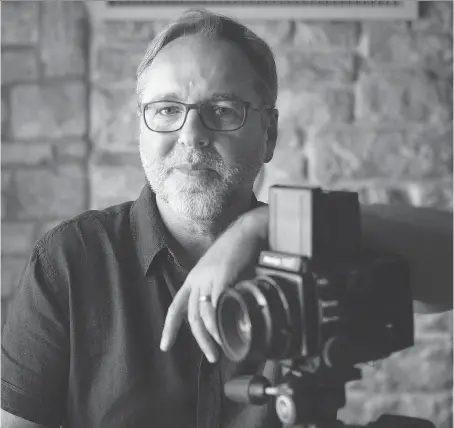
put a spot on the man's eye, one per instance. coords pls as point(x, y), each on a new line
point(169, 110)
point(223, 111)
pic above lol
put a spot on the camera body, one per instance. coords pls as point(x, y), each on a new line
point(317, 296)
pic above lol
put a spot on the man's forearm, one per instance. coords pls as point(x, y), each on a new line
point(423, 237)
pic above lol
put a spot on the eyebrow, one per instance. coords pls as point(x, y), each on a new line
point(225, 96)
point(173, 96)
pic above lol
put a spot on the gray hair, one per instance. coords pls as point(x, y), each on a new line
point(214, 26)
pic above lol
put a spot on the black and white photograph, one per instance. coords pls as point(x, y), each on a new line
point(226, 214)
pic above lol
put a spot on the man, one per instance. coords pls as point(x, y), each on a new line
point(81, 347)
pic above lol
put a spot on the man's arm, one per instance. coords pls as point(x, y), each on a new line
point(423, 237)
point(35, 346)
point(9, 420)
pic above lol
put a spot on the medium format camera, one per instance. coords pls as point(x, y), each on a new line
point(317, 296)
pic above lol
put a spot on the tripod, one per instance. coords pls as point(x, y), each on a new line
point(310, 399)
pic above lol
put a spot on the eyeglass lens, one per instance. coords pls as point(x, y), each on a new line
point(167, 116)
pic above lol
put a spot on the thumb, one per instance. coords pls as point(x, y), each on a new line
point(174, 318)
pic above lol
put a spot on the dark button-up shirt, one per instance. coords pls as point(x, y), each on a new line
point(81, 343)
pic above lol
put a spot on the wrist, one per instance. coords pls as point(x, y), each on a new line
point(255, 224)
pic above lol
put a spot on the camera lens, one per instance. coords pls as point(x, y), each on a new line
point(254, 320)
point(236, 323)
point(239, 322)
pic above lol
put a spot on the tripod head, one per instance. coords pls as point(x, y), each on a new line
point(305, 399)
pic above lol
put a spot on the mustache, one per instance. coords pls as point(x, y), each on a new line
point(211, 161)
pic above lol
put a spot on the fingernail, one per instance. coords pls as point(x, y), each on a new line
point(164, 344)
point(212, 358)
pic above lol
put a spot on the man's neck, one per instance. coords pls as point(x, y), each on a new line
point(190, 238)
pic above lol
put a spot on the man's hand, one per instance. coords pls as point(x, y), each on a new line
point(422, 236)
point(221, 266)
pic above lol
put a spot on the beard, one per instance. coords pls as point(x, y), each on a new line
point(200, 197)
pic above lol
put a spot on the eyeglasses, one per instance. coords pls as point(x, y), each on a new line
point(223, 115)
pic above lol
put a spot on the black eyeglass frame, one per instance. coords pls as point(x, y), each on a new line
point(197, 106)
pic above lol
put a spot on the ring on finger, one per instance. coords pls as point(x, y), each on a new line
point(205, 298)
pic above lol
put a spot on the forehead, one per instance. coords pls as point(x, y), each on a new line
point(193, 68)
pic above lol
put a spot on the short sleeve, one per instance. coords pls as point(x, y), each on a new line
point(35, 345)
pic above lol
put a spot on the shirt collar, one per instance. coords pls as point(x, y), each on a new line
point(147, 227)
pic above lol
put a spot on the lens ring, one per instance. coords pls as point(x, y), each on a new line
point(281, 322)
point(229, 302)
point(257, 319)
point(252, 303)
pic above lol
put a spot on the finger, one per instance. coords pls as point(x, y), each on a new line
point(199, 331)
point(215, 295)
point(208, 315)
point(174, 318)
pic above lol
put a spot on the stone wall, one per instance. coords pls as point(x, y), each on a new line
point(363, 105)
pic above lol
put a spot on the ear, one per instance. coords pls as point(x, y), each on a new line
point(271, 133)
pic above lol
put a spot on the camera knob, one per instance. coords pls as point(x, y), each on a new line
point(286, 410)
point(249, 389)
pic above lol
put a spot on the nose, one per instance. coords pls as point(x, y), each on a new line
point(193, 133)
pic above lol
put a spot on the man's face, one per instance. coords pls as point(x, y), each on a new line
point(198, 171)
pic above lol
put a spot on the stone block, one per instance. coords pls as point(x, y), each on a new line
point(53, 110)
point(425, 367)
point(20, 22)
point(385, 194)
point(44, 227)
point(433, 150)
point(114, 178)
point(17, 237)
point(19, 65)
point(433, 325)
point(437, 195)
point(274, 32)
point(71, 150)
point(303, 69)
point(12, 268)
point(6, 180)
point(394, 45)
point(325, 36)
point(295, 173)
point(403, 97)
point(434, 16)
point(26, 154)
point(63, 42)
point(360, 153)
point(436, 408)
point(291, 162)
point(116, 64)
point(362, 408)
point(51, 193)
point(4, 207)
point(315, 106)
point(5, 114)
point(114, 120)
point(128, 32)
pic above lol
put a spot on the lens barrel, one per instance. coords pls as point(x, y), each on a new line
point(255, 319)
